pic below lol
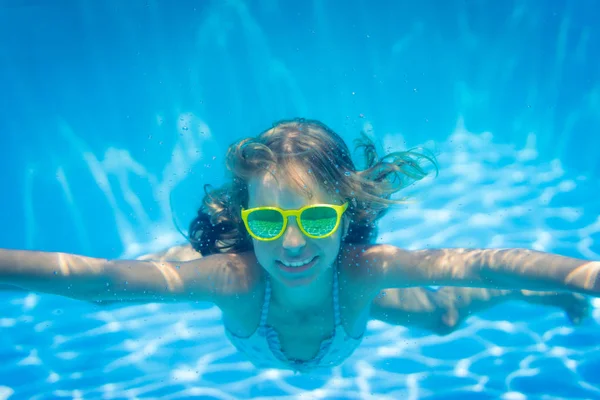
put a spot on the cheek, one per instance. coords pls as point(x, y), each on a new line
point(333, 243)
point(263, 250)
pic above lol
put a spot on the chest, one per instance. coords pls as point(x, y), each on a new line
point(300, 334)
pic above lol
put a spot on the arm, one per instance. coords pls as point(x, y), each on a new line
point(443, 310)
point(485, 268)
point(213, 278)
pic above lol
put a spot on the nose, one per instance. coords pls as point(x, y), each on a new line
point(293, 238)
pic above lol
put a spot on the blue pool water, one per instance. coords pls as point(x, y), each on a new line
point(108, 108)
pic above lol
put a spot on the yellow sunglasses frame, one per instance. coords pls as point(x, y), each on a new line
point(339, 209)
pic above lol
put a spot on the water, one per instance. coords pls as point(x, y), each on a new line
point(111, 107)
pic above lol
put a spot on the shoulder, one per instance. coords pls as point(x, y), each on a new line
point(232, 274)
point(370, 264)
point(233, 277)
point(175, 253)
point(228, 273)
point(223, 279)
point(239, 284)
point(365, 259)
point(361, 272)
point(240, 269)
point(361, 264)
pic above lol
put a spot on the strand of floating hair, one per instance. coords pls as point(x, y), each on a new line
point(187, 237)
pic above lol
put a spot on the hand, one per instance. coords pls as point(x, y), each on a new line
point(576, 306)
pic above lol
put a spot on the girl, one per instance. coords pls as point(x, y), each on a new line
point(289, 253)
point(440, 311)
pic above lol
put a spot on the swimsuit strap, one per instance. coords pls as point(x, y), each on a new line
point(336, 299)
point(264, 312)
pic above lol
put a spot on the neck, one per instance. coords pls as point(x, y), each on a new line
point(305, 297)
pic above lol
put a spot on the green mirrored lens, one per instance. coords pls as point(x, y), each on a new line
point(265, 223)
point(318, 221)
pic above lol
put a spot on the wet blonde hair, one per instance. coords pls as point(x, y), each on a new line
point(323, 154)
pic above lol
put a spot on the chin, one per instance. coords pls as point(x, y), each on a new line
point(298, 283)
point(298, 279)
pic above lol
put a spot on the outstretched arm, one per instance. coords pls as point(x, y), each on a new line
point(443, 310)
point(214, 278)
point(485, 268)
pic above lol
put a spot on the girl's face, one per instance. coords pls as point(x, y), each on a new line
point(316, 255)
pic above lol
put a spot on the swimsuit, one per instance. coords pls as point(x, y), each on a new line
point(264, 349)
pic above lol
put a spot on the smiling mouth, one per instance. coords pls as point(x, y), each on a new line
point(299, 266)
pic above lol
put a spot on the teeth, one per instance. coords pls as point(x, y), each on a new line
point(297, 264)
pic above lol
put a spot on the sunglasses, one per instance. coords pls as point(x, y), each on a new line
point(316, 221)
